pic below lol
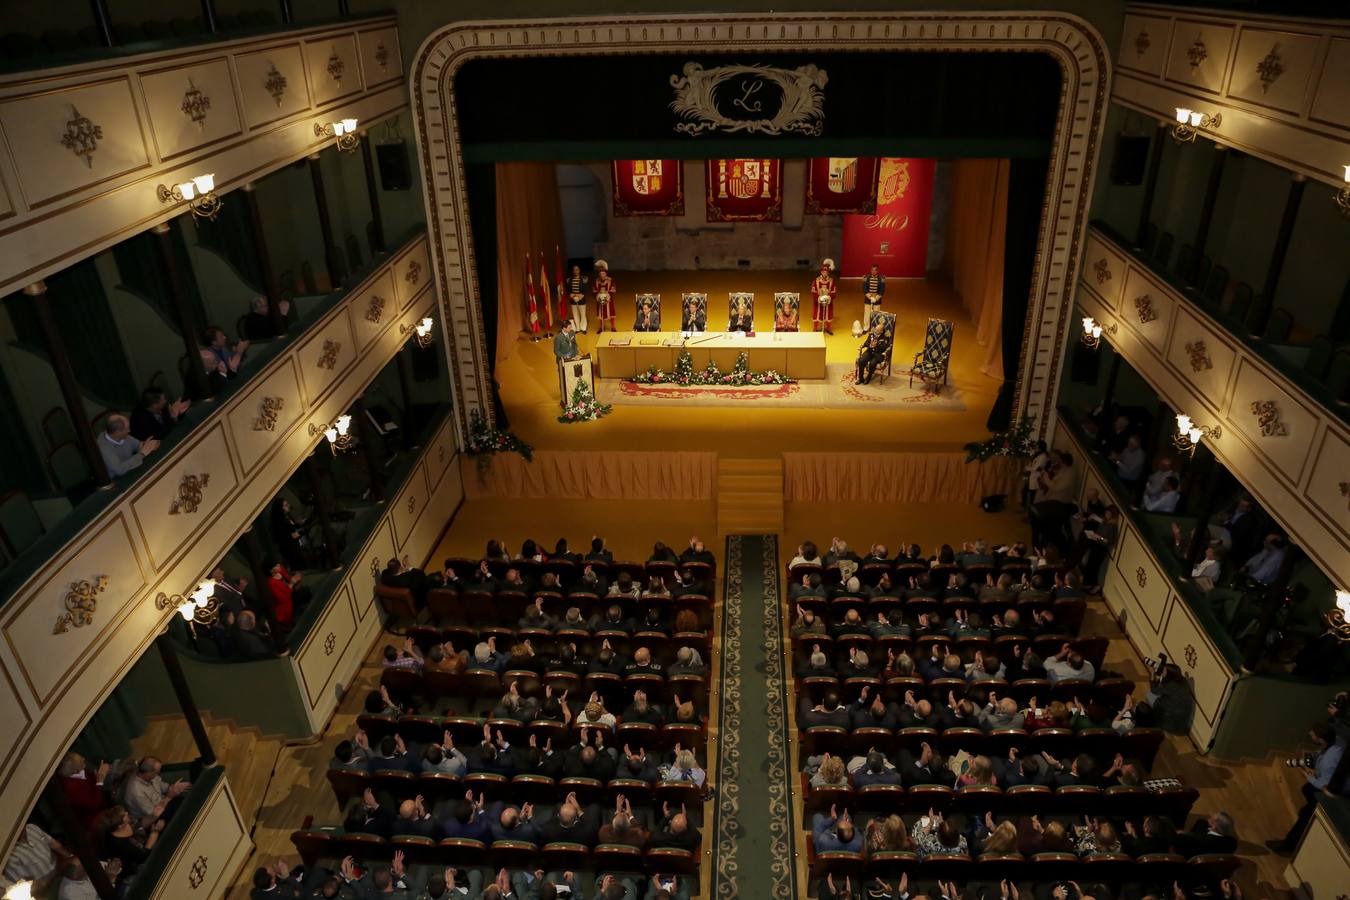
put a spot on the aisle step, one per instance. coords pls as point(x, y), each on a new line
point(756, 483)
point(749, 496)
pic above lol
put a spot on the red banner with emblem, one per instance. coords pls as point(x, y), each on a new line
point(648, 187)
point(745, 190)
point(895, 237)
point(841, 184)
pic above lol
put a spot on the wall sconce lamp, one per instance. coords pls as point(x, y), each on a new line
point(1338, 618)
point(197, 608)
point(1343, 195)
point(1189, 123)
point(421, 332)
point(1189, 434)
point(199, 194)
point(20, 890)
point(338, 434)
point(1093, 330)
point(343, 131)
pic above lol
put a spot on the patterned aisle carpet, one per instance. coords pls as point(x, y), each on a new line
point(753, 817)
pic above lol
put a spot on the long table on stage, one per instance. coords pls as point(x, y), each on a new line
point(798, 355)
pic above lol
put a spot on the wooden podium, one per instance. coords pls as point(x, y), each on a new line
point(571, 371)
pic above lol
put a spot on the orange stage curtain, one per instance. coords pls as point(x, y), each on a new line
point(896, 477)
point(594, 475)
point(529, 220)
point(976, 229)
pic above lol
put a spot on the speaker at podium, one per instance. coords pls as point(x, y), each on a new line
point(572, 371)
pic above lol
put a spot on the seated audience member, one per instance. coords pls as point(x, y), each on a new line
point(258, 321)
point(934, 834)
point(986, 667)
point(36, 857)
point(807, 623)
point(688, 661)
point(466, 818)
point(612, 619)
point(84, 786)
point(1157, 835)
point(874, 714)
point(492, 755)
point(155, 417)
point(1207, 568)
point(1264, 566)
point(696, 552)
point(247, 638)
point(874, 768)
point(487, 656)
point(413, 819)
point(1001, 713)
point(656, 589)
point(1167, 499)
point(690, 582)
point(835, 832)
point(398, 573)
point(594, 713)
point(807, 555)
point(75, 883)
point(146, 795)
point(407, 658)
point(675, 830)
point(515, 707)
point(810, 586)
point(1033, 837)
point(1095, 836)
point(1170, 699)
point(1082, 770)
point(1214, 833)
point(287, 594)
point(662, 553)
point(392, 755)
point(599, 552)
point(840, 553)
point(885, 835)
point(590, 582)
point(642, 711)
point(829, 711)
point(353, 755)
point(220, 360)
point(683, 768)
point(623, 828)
point(1069, 664)
point(829, 771)
point(120, 450)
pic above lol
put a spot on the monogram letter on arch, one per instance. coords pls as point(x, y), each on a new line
point(756, 98)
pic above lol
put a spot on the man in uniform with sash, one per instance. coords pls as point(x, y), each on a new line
point(605, 289)
point(575, 286)
point(822, 292)
point(872, 353)
point(874, 288)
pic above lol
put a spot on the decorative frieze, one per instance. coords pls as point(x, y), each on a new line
point(195, 105)
point(1270, 68)
point(1143, 305)
point(189, 494)
point(1199, 355)
point(1197, 52)
point(1102, 270)
point(81, 602)
point(275, 84)
point(81, 137)
point(1268, 419)
point(328, 359)
point(375, 311)
point(267, 418)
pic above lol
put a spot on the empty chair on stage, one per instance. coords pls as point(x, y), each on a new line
point(648, 313)
point(694, 313)
point(787, 310)
point(930, 363)
point(740, 312)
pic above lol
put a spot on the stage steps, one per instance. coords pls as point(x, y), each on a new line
point(749, 496)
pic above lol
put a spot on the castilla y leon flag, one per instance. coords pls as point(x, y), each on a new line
point(529, 292)
point(544, 293)
point(748, 190)
point(895, 237)
point(841, 184)
point(648, 187)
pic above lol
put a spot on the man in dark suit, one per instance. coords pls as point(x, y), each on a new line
point(399, 574)
point(393, 755)
point(873, 353)
point(829, 711)
point(695, 317)
point(369, 817)
point(1083, 770)
point(599, 553)
point(1215, 833)
point(926, 768)
point(155, 417)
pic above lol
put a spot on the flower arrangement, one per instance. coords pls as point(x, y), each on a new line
point(1018, 441)
point(486, 441)
point(583, 406)
point(683, 374)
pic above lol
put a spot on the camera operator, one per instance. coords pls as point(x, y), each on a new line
point(1330, 768)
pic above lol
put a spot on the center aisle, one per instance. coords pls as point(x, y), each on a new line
point(754, 855)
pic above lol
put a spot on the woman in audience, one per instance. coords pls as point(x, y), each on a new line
point(946, 556)
point(888, 834)
point(934, 834)
point(830, 772)
point(656, 589)
point(530, 551)
point(1033, 837)
point(1056, 715)
point(684, 768)
point(979, 771)
point(497, 552)
point(686, 622)
point(662, 553)
point(443, 658)
point(898, 665)
point(1002, 838)
point(594, 713)
point(807, 555)
point(121, 840)
point(1094, 837)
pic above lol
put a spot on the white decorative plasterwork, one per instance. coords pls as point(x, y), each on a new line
point(1072, 42)
point(757, 98)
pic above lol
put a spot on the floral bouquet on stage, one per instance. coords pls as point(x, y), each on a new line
point(485, 441)
point(1018, 441)
point(684, 374)
point(583, 406)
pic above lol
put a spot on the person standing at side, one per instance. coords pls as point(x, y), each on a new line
point(575, 285)
point(874, 289)
point(605, 289)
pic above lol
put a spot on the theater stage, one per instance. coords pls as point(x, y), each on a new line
point(820, 416)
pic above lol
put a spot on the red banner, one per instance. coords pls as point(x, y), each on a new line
point(841, 184)
point(745, 190)
point(648, 187)
point(895, 237)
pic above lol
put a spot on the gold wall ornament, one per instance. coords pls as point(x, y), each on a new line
point(414, 273)
point(81, 137)
point(1141, 42)
point(275, 83)
point(1102, 270)
point(267, 418)
point(189, 494)
point(737, 98)
point(412, 503)
point(335, 66)
point(440, 458)
point(1143, 305)
point(197, 874)
point(374, 567)
point(329, 643)
point(1197, 52)
point(81, 603)
point(1191, 656)
point(375, 311)
point(1270, 68)
point(195, 104)
point(1268, 418)
point(1140, 576)
point(1199, 355)
point(382, 56)
point(328, 359)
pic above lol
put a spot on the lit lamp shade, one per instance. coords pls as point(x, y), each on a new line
point(344, 425)
point(348, 126)
point(188, 190)
point(1183, 115)
point(1347, 174)
point(205, 183)
point(202, 595)
point(21, 890)
point(1343, 603)
point(331, 434)
point(1183, 424)
point(424, 327)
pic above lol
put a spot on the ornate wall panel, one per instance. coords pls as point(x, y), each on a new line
point(191, 106)
point(1104, 269)
point(324, 355)
point(1143, 578)
point(327, 645)
point(1201, 355)
point(211, 853)
point(16, 720)
point(412, 273)
point(184, 498)
point(1210, 678)
point(1329, 481)
point(441, 453)
point(379, 549)
point(67, 140)
point(1278, 427)
point(375, 310)
point(159, 118)
point(408, 507)
point(260, 418)
point(381, 59)
point(1321, 865)
point(55, 629)
point(332, 67)
point(1073, 42)
point(1281, 84)
point(1148, 311)
point(272, 83)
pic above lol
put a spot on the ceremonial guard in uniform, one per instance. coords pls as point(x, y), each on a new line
point(822, 292)
point(872, 353)
point(605, 291)
point(874, 288)
point(575, 285)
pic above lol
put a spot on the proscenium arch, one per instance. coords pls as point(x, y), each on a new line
point(1074, 43)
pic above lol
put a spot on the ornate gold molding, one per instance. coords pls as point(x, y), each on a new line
point(440, 457)
point(329, 643)
point(1102, 270)
point(374, 567)
point(1143, 305)
point(1268, 419)
point(81, 137)
point(189, 494)
point(328, 359)
point(1191, 656)
point(1199, 355)
point(382, 56)
point(275, 83)
point(81, 603)
point(1270, 68)
point(1197, 53)
point(1141, 42)
point(197, 874)
point(412, 503)
point(335, 66)
point(414, 273)
point(1140, 576)
point(375, 311)
point(267, 418)
point(195, 105)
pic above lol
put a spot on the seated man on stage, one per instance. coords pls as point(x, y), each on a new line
point(565, 342)
point(575, 286)
point(874, 288)
point(695, 317)
point(742, 316)
point(872, 353)
point(605, 289)
point(785, 314)
point(822, 296)
point(648, 317)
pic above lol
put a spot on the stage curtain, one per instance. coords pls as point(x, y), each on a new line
point(895, 477)
point(976, 229)
point(529, 221)
point(594, 475)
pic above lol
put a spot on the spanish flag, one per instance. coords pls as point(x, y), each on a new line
point(544, 293)
point(529, 288)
